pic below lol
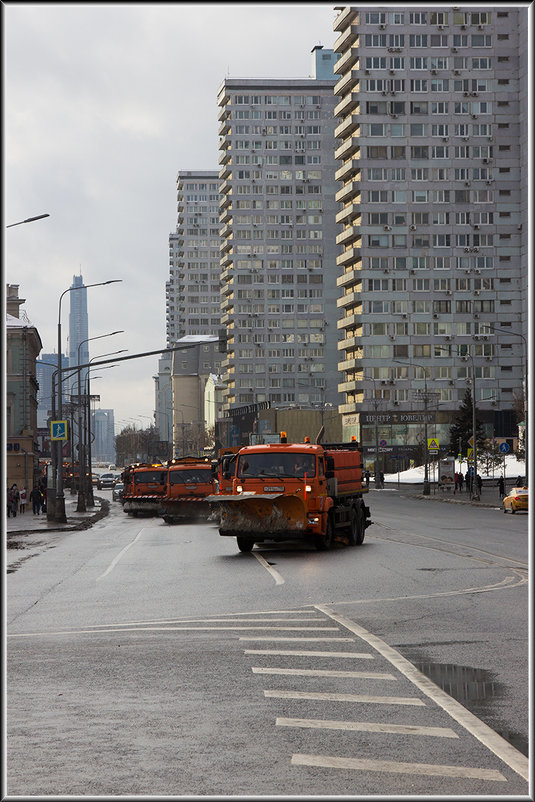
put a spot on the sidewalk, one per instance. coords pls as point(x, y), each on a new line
point(27, 522)
point(489, 495)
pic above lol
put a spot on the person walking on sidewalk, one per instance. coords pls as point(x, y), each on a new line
point(36, 498)
point(460, 480)
point(14, 500)
point(468, 480)
point(501, 486)
point(22, 500)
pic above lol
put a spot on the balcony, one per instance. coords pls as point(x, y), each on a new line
point(346, 17)
point(224, 172)
point(225, 157)
point(224, 202)
point(350, 191)
point(352, 300)
point(349, 214)
point(224, 128)
point(350, 386)
point(349, 320)
point(349, 278)
point(349, 234)
point(348, 104)
point(351, 408)
point(350, 364)
point(347, 61)
point(225, 187)
point(350, 343)
point(346, 39)
point(349, 170)
point(347, 82)
point(346, 127)
point(225, 215)
point(348, 148)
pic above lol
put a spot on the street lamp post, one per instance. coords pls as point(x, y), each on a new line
point(376, 472)
point(81, 451)
point(28, 220)
point(60, 498)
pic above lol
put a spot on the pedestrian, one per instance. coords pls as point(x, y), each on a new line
point(479, 481)
point(460, 480)
point(14, 500)
point(22, 500)
point(456, 482)
point(36, 498)
point(519, 481)
point(501, 486)
point(367, 477)
point(468, 481)
point(9, 500)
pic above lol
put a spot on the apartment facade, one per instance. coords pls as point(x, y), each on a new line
point(278, 239)
point(432, 172)
point(192, 291)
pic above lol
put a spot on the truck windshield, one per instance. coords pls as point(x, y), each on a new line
point(149, 477)
point(276, 464)
point(190, 476)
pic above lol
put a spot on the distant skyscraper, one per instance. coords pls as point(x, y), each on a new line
point(103, 430)
point(78, 328)
point(44, 369)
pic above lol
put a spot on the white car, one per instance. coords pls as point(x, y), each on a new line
point(105, 480)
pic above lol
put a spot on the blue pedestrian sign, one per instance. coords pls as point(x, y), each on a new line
point(504, 448)
point(58, 430)
point(471, 471)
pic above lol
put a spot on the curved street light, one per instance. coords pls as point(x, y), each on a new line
point(28, 220)
point(60, 498)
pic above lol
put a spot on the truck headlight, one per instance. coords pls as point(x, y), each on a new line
point(308, 488)
point(239, 489)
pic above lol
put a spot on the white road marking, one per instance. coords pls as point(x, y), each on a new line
point(275, 574)
point(392, 766)
point(346, 697)
point(502, 748)
point(312, 672)
point(367, 726)
point(304, 653)
point(121, 554)
point(165, 629)
point(300, 639)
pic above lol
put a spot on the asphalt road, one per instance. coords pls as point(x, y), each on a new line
point(148, 659)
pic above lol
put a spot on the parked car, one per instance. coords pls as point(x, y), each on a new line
point(517, 499)
point(105, 480)
point(117, 492)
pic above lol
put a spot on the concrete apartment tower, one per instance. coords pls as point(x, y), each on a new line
point(278, 238)
point(432, 171)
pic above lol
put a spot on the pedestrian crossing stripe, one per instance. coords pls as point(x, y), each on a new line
point(432, 443)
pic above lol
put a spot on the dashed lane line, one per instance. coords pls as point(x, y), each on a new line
point(316, 672)
point(391, 766)
point(359, 698)
point(367, 726)
point(301, 639)
point(311, 653)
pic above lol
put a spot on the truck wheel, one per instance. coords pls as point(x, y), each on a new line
point(245, 543)
point(356, 527)
point(326, 541)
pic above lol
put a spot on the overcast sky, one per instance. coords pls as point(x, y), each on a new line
point(103, 105)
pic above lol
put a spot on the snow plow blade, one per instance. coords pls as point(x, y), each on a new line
point(261, 514)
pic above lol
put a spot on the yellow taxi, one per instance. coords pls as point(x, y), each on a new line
point(517, 499)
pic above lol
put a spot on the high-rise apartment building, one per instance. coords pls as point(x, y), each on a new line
point(278, 232)
point(432, 170)
point(192, 291)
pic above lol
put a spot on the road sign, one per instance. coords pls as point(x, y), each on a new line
point(383, 443)
point(58, 430)
point(471, 442)
point(432, 444)
point(504, 448)
point(470, 471)
point(470, 454)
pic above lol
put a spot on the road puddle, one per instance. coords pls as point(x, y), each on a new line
point(474, 688)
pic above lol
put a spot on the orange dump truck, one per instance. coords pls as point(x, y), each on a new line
point(189, 482)
point(145, 486)
point(288, 491)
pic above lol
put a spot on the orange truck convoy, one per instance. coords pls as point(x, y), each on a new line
point(175, 490)
point(288, 491)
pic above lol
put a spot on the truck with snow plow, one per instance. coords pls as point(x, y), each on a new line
point(294, 491)
point(145, 486)
point(189, 482)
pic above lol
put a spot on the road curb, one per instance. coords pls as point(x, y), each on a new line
point(84, 523)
